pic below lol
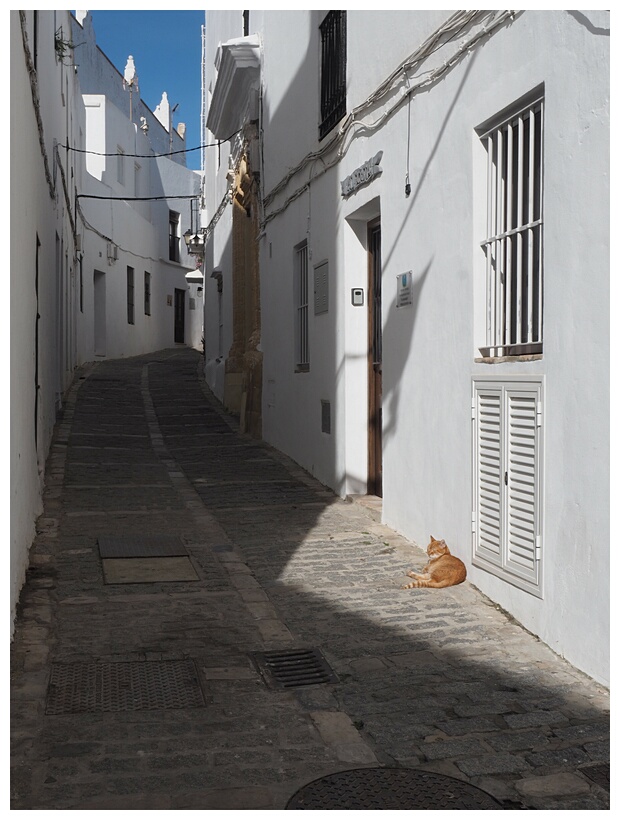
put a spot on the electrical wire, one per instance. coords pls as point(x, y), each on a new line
point(152, 155)
point(448, 31)
point(137, 198)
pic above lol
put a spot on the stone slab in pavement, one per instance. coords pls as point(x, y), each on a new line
point(441, 681)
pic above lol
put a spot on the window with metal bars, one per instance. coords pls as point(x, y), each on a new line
point(130, 296)
point(147, 293)
point(513, 246)
point(333, 70)
point(302, 352)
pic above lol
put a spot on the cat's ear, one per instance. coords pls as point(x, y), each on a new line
point(432, 539)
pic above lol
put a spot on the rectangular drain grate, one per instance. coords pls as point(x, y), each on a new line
point(140, 546)
point(598, 774)
point(285, 669)
point(122, 687)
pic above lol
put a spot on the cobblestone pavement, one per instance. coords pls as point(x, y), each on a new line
point(439, 680)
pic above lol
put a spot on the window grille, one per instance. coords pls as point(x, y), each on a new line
point(333, 70)
point(514, 242)
point(302, 353)
point(130, 296)
point(147, 293)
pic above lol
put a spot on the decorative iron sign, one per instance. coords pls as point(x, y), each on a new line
point(365, 173)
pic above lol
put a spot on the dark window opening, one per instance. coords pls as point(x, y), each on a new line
point(147, 293)
point(333, 70)
point(130, 299)
point(173, 238)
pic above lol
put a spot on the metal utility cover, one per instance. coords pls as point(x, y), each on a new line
point(148, 570)
point(123, 687)
point(294, 667)
point(140, 546)
point(373, 789)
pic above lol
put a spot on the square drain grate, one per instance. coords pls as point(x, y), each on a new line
point(122, 687)
point(285, 669)
point(140, 546)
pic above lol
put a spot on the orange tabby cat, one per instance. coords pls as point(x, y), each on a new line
point(443, 568)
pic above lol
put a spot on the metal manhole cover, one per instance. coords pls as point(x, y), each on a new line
point(294, 667)
point(598, 774)
point(122, 687)
point(140, 546)
point(374, 789)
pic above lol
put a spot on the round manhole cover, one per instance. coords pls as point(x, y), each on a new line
point(390, 789)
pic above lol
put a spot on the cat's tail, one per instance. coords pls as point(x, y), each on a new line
point(425, 583)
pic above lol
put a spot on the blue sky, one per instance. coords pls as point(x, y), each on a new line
point(167, 51)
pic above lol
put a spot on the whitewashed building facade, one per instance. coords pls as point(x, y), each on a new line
point(432, 207)
point(99, 206)
point(135, 204)
point(46, 112)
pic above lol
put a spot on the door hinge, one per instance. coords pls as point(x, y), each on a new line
point(473, 521)
point(473, 409)
point(539, 414)
point(538, 548)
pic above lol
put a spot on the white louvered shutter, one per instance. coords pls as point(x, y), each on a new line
point(488, 472)
point(523, 459)
point(507, 480)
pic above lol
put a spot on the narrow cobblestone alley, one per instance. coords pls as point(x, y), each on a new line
point(260, 557)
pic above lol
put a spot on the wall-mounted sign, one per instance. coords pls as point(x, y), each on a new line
point(404, 290)
point(365, 173)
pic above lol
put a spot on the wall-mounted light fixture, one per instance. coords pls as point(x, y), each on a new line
point(195, 242)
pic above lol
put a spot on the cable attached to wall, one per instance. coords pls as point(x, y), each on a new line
point(452, 27)
point(34, 90)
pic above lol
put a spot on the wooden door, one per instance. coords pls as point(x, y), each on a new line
point(179, 316)
point(375, 450)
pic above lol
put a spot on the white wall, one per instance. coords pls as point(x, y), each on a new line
point(139, 230)
point(38, 212)
point(430, 347)
point(220, 27)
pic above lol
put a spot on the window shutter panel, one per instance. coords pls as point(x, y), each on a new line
point(507, 512)
point(488, 466)
point(523, 483)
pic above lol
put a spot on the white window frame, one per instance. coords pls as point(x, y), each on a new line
point(508, 458)
point(513, 242)
point(302, 309)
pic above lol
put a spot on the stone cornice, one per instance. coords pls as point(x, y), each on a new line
point(235, 96)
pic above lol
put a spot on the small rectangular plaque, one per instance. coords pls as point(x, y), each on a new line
point(404, 290)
